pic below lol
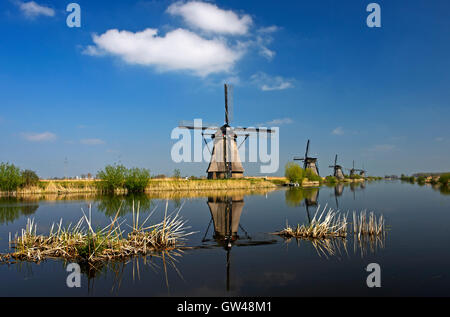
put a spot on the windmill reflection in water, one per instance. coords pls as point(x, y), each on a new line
point(225, 216)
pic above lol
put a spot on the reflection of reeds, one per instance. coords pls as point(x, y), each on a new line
point(84, 244)
point(332, 225)
point(368, 244)
point(325, 247)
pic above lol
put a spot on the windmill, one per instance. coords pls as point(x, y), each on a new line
point(309, 162)
point(225, 161)
point(337, 169)
point(362, 172)
point(352, 170)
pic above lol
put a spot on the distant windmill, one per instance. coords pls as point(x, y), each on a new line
point(337, 169)
point(225, 160)
point(362, 172)
point(352, 170)
point(309, 162)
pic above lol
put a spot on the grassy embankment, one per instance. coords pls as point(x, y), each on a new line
point(154, 185)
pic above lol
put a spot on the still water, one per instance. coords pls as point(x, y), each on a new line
point(414, 256)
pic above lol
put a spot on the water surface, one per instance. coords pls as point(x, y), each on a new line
point(235, 254)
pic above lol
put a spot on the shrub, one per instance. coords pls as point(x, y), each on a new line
point(331, 179)
point(293, 172)
point(421, 180)
point(137, 179)
point(10, 177)
point(112, 177)
point(444, 179)
point(29, 178)
point(176, 173)
point(311, 176)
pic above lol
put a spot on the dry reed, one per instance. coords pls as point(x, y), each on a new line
point(80, 242)
point(323, 226)
point(364, 225)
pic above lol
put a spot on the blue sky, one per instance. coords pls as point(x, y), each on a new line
point(378, 96)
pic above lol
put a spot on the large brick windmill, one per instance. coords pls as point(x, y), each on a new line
point(309, 162)
point(225, 161)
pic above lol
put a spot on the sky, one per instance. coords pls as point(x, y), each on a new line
point(112, 90)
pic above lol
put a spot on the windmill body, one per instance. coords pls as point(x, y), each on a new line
point(309, 163)
point(338, 173)
point(353, 170)
point(225, 161)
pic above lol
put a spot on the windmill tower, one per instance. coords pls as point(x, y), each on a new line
point(353, 170)
point(309, 162)
point(225, 161)
point(362, 172)
point(337, 170)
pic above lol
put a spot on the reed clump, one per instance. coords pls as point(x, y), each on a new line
point(324, 226)
point(368, 225)
point(332, 224)
point(82, 243)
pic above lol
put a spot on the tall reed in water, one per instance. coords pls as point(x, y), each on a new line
point(84, 244)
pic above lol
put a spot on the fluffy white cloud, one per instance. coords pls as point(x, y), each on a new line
point(338, 131)
point(92, 141)
point(208, 17)
point(268, 83)
point(32, 9)
point(179, 49)
point(39, 137)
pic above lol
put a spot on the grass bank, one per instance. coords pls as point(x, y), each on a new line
point(154, 185)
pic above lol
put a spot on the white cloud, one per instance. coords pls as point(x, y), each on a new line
point(32, 9)
point(268, 83)
point(338, 131)
point(438, 139)
point(39, 137)
point(92, 141)
point(208, 17)
point(179, 49)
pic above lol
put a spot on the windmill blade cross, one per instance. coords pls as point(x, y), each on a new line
point(307, 149)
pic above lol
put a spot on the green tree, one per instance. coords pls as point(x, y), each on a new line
point(176, 173)
point(29, 178)
point(444, 179)
point(112, 177)
point(10, 177)
point(137, 179)
point(293, 172)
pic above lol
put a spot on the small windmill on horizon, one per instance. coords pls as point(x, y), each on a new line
point(309, 162)
point(225, 161)
point(352, 170)
point(337, 169)
point(362, 172)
